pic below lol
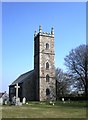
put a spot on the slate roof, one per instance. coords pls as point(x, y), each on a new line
point(1, 94)
point(22, 77)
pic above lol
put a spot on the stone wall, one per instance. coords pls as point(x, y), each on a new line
point(36, 65)
point(47, 55)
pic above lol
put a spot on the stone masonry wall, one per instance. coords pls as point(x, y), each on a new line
point(47, 56)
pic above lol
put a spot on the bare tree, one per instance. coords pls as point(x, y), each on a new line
point(63, 83)
point(77, 64)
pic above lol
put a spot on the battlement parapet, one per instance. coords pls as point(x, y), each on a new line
point(44, 33)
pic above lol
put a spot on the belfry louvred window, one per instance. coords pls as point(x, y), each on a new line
point(47, 66)
point(47, 46)
point(47, 91)
point(47, 78)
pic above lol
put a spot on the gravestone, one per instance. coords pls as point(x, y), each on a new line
point(17, 102)
point(24, 100)
point(53, 103)
point(14, 100)
point(1, 101)
point(6, 102)
point(63, 100)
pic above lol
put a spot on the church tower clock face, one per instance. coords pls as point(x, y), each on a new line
point(44, 65)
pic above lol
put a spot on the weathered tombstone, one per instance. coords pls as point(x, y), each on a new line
point(17, 101)
point(51, 102)
point(6, 102)
point(63, 100)
point(24, 100)
point(14, 100)
point(1, 101)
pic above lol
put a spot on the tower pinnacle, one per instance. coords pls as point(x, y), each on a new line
point(35, 33)
point(40, 29)
point(52, 31)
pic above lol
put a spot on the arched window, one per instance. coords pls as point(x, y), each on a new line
point(47, 46)
point(47, 78)
point(47, 66)
point(47, 91)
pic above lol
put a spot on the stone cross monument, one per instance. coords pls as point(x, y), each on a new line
point(17, 87)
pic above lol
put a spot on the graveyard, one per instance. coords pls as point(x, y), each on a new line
point(46, 109)
point(37, 109)
point(34, 109)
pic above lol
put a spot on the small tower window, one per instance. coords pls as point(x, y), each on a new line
point(47, 91)
point(47, 66)
point(47, 78)
point(47, 46)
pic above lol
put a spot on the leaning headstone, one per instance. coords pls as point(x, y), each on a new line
point(24, 100)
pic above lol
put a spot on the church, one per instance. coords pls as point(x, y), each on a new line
point(38, 84)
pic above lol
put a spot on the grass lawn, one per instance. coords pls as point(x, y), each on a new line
point(45, 110)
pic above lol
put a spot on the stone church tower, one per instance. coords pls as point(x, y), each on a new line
point(44, 65)
point(38, 84)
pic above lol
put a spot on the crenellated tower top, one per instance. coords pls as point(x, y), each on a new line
point(44, 33)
